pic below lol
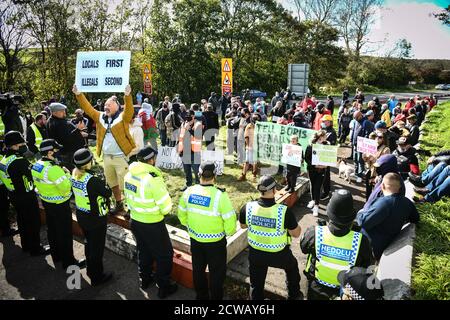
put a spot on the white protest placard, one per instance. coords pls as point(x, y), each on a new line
point(102, 71)
point(168, 158)
point(324, 155)
point(367, 146)
point(292, 155)
point(214, 156)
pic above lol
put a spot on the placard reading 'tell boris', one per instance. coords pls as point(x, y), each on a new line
point(102, 71)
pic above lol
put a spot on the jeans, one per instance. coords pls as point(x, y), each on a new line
point(432, 172)
point(189, 166)
point(439, 186)
point(359, 162)
point(163, 137)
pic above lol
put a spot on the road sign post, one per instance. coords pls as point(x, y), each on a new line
point(227, 75)
point(147, 76)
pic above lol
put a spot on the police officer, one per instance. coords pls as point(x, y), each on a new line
point(334, 247)
point(148, 202)
point(5, 229)
point(270, 228)
point(92, 201)
point(209, 216)
point(16, 176)
point(54, 188)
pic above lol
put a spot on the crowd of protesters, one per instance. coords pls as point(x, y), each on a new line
point(121, 132)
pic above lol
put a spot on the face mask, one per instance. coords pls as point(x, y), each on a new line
point(198, 114)
point(22, 149)
point(323, 125)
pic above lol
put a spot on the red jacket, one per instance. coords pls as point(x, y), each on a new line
point(318, 119)
point(307, 102)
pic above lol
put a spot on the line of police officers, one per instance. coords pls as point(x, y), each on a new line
point(204, 209)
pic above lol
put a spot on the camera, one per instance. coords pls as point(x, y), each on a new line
point(10, 99)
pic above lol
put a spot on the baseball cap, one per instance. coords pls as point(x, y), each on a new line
point(361, 284)
point(380, 125)
point(369, 113)
point(266, 183)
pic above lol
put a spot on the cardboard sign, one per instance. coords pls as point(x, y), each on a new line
point(102, 71)
point(214, 156)
point(367, 146)
point(168, 158)
point(269, 138)
point(292, 155)
point(227, 75)
point(324, 155)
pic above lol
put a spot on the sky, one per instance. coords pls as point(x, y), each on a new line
point(413, 21)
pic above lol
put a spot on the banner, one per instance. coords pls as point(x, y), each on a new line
point(367, 146)
point(324, 155)
point(214, 156)
point(227, 75)
point(102, 71)
point(292, 155)
point(168, 158)
point(269, 138)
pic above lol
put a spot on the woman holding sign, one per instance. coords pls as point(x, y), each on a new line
point(316, 173)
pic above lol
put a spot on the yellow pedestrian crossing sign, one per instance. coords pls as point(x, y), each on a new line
point(227, 75)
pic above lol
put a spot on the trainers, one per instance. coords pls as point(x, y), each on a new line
point(311, 204)
point(325, 196)
point(167, 291)
point(316, 211)
point(421, 191)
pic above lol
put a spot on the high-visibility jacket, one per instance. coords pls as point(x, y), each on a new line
point(266, 231)
point(333, 254)
point(145, 191)
point(4, 176)
point(52, 182)
point(196, 142)
point(37, 135)
point(207, 212)
point(2, 127)
point(82, 203)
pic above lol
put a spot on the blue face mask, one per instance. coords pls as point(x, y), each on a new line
point(198, 114)
point(323, 125)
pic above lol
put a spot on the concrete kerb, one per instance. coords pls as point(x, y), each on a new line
point(395, 267)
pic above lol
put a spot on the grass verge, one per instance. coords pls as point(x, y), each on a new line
point(431, 269)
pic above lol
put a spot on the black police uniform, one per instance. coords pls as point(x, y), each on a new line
point(25, 202)
point(261, 260)
point(93, 226)
point(59, 229)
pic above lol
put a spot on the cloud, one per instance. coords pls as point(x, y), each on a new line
point(413, 21)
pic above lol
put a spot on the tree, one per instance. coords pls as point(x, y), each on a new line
point(323, 11)
point(355, 19)
point(444, 16)
point(12, 42)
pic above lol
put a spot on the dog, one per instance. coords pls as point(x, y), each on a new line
point(345, 171)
